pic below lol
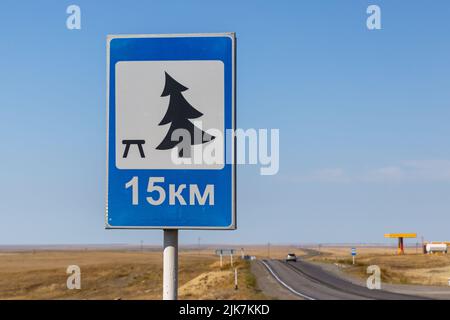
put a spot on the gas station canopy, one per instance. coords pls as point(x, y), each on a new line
point(400, 237)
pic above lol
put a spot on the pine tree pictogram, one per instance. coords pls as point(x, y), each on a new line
point(178, 114)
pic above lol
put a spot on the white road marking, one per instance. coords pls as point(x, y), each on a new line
point(285, 285)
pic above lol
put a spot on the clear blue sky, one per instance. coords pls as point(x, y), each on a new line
point(363, 117)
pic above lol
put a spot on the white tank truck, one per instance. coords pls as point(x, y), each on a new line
point(436, 247)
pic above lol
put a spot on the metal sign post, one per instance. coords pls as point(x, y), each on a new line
point(353, 254)
point(170, 265)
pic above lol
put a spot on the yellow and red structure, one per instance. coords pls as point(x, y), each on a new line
point(400, 237)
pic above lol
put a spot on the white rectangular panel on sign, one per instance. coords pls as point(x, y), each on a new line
point(144, 120)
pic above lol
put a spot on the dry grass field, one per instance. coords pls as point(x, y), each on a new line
point(132, 274)
point(411, 268)
point(114, 274)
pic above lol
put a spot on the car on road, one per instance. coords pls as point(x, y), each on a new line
point(291, 257)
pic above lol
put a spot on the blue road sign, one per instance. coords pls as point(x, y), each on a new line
point(170, 112)
point(353, 251)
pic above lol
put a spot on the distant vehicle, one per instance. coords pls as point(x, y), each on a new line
point(291, 257)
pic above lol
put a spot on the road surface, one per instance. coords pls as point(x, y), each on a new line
point(310, 282)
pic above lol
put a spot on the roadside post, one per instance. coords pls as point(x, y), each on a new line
point(353, 254)
point(170, 155)
point(235, 279)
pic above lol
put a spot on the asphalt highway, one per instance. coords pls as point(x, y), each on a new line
point(309, 281)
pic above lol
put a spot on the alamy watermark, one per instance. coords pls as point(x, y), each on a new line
point(374, 280)
point(253, 146)
point(73, 21)
point(74, 279)
point(373, 22)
